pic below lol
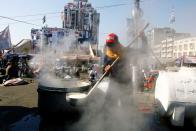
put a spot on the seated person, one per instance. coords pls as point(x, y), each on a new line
point(11, 70)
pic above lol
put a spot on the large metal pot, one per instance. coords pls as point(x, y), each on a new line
point(52, 99)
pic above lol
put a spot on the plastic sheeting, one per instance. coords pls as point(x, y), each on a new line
point(176, 87)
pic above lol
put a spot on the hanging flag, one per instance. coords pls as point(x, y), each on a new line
point(91, 50)
point(44, 19)
point(5, 40)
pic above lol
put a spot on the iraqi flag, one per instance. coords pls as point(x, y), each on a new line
point(5, 40)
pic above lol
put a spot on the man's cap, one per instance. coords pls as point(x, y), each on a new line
point(111, 38)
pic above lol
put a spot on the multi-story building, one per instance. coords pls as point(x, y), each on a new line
point(185, 47)
point(155, 36)
point(83, 18)
point(52, 36)
point(160, 38)
point(79, 19)
point(167, 45)
point(167, 48)
point(162, 41)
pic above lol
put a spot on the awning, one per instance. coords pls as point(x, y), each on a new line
point(80, 57)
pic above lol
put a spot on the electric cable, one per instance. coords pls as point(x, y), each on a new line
point(109, 6)
point(38, 19)
point(50, 13)
point(40, 14)
point(19, 21)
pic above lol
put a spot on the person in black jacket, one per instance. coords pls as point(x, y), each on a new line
point(113, 50)
point(11, 70)
point(118, 95)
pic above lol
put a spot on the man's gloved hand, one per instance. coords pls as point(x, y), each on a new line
point(107, 68)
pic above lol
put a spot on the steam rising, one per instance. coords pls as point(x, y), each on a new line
point(111, 108)
point(114, 109)
point(49, 54)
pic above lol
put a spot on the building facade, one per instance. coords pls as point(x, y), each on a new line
point(161, 40)
point(164, 41)
point(79, 20)
point(50, 36)
point(80, 16)
point(185, 47)
point(156, 36)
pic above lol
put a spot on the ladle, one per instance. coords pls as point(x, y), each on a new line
point(81, 96)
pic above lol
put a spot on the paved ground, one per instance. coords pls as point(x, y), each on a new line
point(23, 95)
point(16, 102)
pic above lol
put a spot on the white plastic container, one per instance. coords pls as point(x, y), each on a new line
point(175, 95)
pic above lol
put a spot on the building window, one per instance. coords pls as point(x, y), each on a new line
point(164, 49)
point(184, 53)
point(192, 46)
point(191, 54)
point(179, 54)
point(185, 47)
point(175, 48)
point(175, 55)
point(163, 55)
point(170, 54)
point(180, 47)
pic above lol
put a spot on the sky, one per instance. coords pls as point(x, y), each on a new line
point(112, 19)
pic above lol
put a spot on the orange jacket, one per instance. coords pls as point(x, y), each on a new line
point(114, 53)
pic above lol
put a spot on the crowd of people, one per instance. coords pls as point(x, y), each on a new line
point(14, 66)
